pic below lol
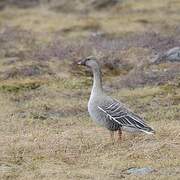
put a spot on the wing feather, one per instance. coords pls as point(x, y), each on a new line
point(118, 113)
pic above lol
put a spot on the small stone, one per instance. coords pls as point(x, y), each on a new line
point(140, 171)
point(172, 55)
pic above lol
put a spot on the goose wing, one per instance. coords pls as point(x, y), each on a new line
point(116, 112)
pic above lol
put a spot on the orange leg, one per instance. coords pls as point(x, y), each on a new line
point(119, 135)
point(112, 136)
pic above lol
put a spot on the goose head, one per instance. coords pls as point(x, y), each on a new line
point(90, 62)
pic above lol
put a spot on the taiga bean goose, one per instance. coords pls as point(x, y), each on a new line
point(108, 112)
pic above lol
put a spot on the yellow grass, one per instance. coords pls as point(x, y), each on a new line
point(73, 147)
point(124, 18)
point(46, 132)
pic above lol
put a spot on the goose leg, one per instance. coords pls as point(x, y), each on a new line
point(119, 135)
point(112, 136)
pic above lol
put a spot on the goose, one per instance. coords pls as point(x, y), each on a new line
point(108, 112)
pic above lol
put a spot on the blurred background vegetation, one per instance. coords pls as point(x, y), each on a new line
point(45, 132)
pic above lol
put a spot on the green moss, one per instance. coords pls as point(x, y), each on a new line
point(19, 87)
point(73, 83)
point(169, 88)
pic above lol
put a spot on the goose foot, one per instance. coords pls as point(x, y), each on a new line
point(119, 135)
point(112, 136)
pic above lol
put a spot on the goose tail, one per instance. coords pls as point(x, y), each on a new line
point(148, 130)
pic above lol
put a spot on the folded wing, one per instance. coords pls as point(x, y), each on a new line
point(115, 112)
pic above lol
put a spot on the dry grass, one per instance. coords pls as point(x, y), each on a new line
point(36, 143)
point(128, 17)
point(45, 130)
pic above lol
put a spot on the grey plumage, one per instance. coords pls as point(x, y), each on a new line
point(108, 112)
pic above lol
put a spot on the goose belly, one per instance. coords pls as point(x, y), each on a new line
point(97, 116)
point(100, 118)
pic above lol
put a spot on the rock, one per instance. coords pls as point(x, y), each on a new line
point(5, 168)
point(171, 55)
point(140, 171)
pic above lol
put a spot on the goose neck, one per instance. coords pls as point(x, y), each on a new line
point(97, 81)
